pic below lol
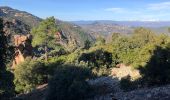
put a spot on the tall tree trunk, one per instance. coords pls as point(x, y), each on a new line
point(46, 53)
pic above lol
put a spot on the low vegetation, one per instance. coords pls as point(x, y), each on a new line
point(67, 72)
point(70, 83)
point(29, 75)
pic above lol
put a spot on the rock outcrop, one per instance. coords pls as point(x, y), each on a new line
point(122, 70)
point(23, 48)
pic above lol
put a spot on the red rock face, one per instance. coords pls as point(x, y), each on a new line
point(23, 49)
point(58, 35)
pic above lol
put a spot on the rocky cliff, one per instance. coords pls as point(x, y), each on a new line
point(22, 49)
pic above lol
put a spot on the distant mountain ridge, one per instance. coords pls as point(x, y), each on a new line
point(126, 23)
point(108, 27)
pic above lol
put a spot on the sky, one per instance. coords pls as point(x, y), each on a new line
point(74, 10)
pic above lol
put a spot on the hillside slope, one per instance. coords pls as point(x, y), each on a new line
point(27, 18)
point(27, 21)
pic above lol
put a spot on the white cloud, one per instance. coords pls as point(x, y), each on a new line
point(159, 6)
point(149, 12)
point(122, 11)
point(117, 10)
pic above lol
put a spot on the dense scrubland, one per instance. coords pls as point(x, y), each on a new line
point(67, 69)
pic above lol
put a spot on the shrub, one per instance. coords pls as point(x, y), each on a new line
point(127, 84)
point(71, 58)
point(99, 61)
point(60, 59)
point(98, 58)
point(6, 85)
point(29, 74)
point(156, 71)
point(102, 71)
point(69, 83)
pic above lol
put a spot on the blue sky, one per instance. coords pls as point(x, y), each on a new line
point(71, 10)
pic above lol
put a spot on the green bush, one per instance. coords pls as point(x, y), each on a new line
point(102, 71)
point(70, 83)
point(6, 85)
point(29, 74)
point(71, 58)
point(60, 59)
point(157, 69)
point(97, 59)
point(127, 84)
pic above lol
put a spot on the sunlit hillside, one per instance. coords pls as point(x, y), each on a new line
point(84, 50)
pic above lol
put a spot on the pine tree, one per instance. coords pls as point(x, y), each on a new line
point(87, 44)
point(44, 35)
